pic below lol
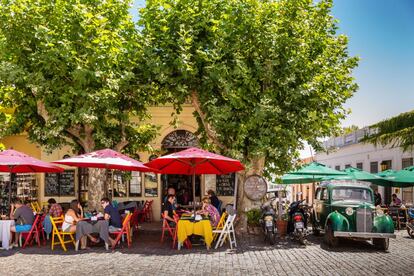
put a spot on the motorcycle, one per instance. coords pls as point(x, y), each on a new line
point(410, 222)
point(297, 221)
point(268, 220)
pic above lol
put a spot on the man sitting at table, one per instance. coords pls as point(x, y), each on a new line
point(55, 210)
point(24, 218)
point(169, 209)
point(111, 215)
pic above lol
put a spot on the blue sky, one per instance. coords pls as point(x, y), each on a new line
point(381, 33)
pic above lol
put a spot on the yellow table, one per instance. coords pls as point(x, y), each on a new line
point(187, 228)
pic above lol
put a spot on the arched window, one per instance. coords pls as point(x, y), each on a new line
point(179, 139)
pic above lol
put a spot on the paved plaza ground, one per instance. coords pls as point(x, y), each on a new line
point(253, 257)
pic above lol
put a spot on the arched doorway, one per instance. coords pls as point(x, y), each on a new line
point(176, 141)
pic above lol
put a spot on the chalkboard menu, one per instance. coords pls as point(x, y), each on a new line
point(60, 184)
point(225, 184)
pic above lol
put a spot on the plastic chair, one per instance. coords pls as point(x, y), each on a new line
point(227, 233)
point(134, 222)
point(143, 213)
point(35, 206)
point(32, 233)
point(125, 230)
point(166, 228)
point(220, 225)
point(58, 232)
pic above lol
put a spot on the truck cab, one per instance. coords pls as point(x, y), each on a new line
point(345, 209)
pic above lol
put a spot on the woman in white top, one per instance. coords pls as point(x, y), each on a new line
point(72, 217)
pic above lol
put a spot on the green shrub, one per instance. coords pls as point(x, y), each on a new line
point(253, 216)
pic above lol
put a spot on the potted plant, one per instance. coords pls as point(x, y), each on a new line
point(253, 220)
point(282, 221)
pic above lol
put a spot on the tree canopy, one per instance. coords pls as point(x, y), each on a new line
point(263, 76)
point(397, 131)
point(69, 70)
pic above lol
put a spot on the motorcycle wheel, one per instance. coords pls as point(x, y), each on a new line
point(301, 239)
point(270, 237)
point(410, 232)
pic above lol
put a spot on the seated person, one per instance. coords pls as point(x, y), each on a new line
point(169, 210)
point(211, 211)
point(112, 216)
point(24, 218)
point(395, 200)
point(73, 216)
point(214, 199)
point(55, 210)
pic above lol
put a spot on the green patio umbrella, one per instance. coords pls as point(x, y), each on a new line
point(358, 174)
point(300, 179)
point(402, 178)
point(309, 173)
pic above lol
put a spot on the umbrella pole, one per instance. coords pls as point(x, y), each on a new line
point(194, 202)
point(112, 184)
point(10, 180)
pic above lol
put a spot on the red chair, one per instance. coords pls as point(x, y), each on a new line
point(187, 242)
point(34, 232)
point(125, 230)
point(148, 214)
point(41, 228)
point(143, 213)
point(167, 228)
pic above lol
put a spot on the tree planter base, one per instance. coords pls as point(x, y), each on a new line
point(281, 227)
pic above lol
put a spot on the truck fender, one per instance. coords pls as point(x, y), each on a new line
point(338, 221)
point(383, 224)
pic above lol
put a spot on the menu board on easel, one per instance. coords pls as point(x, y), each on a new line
point(225, 184)
point(60, 184)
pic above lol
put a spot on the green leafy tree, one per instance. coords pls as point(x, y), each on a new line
point(263, 76)
point(70, 71)
point(397, 131)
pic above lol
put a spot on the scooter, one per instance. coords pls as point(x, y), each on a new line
point(297, 222)
point(410, 222)
point(268, 220)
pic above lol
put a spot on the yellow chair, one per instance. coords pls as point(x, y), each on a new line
point(57, 231)
point(35, 206)
point(220, 225)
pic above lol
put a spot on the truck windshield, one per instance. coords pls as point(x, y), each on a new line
point(354, 194)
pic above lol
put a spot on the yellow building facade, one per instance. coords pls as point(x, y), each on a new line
point(146, 186)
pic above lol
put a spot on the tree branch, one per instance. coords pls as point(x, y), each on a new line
point(124, 142)
point(211, 134)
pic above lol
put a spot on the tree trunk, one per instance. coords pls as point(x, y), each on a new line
point(96, 190)
point(244, 204)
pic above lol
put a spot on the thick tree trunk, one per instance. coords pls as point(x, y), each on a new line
point(244, 204)
point(96, 190)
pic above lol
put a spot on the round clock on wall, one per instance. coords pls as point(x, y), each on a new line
point(255, 187)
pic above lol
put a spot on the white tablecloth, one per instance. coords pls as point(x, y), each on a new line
point(5, 232)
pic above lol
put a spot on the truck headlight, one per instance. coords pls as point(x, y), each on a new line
point(379, 212)
point(349, 211)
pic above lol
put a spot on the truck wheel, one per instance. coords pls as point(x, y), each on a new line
point(410, 232)
point(330, 240)
point(382, 244)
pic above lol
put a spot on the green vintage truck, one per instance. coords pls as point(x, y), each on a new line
point(345, 209)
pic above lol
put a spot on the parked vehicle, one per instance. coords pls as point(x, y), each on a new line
point(345, 209)
point(298, 219)
point(268, 220)
point(410, 222)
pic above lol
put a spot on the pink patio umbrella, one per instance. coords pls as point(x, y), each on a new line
point(12, 161)
point(194, 161)
point(105, 159)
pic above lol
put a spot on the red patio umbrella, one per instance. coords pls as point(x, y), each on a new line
point(105, 159)
point(12, 161)
point(194, 161)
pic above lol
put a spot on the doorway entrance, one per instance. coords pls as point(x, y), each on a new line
point(175, 141)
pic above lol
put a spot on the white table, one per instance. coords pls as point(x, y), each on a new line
point(5, 233)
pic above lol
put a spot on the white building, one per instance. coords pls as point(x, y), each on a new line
point(347, 151)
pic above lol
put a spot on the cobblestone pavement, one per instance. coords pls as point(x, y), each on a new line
point(253, 257)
